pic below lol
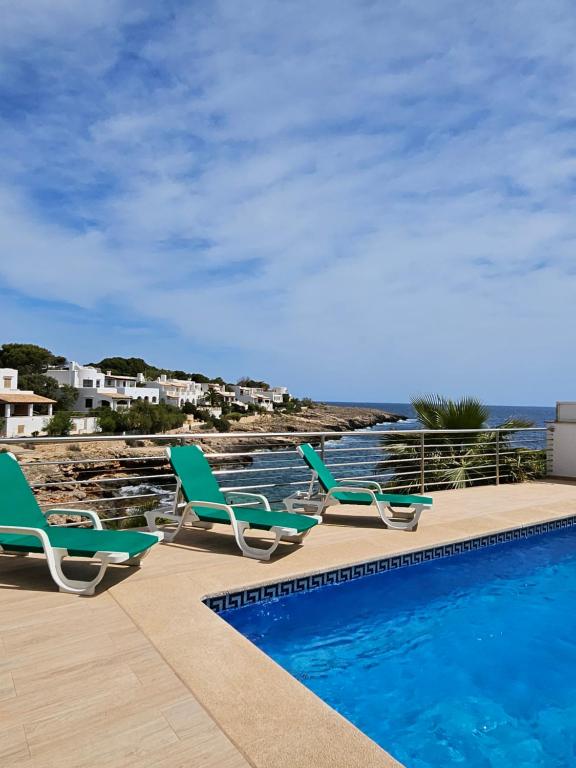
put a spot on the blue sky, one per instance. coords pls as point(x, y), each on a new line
point(360, 199)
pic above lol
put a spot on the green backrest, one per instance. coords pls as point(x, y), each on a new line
point(18, 505)
point(198, 482)
point(325, 477)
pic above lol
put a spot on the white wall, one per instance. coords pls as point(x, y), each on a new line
point(562, 440)
point(75, 375)
point(23, 426)
point(564, 449)
point(8, 373)
point(566, 411)
point(84, 425)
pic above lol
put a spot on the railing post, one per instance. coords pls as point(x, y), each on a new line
point(497, 458)
point(322, 447)
point(549, 449)
point(422, 465)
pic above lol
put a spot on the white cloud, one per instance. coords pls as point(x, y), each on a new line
point(363, 199)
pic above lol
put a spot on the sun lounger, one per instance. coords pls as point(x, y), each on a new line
point(396, 510)
point(24, 529)
point(200, 502)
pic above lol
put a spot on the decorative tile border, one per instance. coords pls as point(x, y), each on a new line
point(224, 602)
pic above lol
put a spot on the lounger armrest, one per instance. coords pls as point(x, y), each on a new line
point(363, 483)
point(189, 508)
point(260, 498)
point(352, 489)
point(89, 513)
point(209, 505)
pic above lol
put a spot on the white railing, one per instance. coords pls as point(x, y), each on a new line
point(78, 472)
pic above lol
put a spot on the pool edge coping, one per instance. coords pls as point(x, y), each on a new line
point(219, 602)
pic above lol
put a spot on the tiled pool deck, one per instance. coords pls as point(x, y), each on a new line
point(144, 674)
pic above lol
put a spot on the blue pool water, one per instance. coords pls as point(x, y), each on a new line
point(465, 661)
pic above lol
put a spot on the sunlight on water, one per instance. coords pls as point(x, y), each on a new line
point(467, 661)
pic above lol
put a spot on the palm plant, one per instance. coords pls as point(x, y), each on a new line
point(457, 460)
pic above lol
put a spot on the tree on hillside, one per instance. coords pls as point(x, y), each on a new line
point(246, 381)
point(127, 366)
point(28, 358)
point(31, 363)
point(460, 459)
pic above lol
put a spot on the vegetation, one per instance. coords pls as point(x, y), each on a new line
point(31, 362)
point(60, 424)
point(462, 459)
point(246, 381)
point(292, 405)
point(28, 358)
point(142, 418)
point(127, 366)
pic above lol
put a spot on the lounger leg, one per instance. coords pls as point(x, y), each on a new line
point(153, 515)
point(409, 525)
point(136, 562)
point(296, 538)
point(73, 586)
point(418, 509)
point(254, 552)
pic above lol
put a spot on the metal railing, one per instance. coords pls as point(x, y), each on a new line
point(122, 475)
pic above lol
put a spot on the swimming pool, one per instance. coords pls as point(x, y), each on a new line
point(463, 661)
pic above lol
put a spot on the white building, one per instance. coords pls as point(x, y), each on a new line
point(97, 389)
point(228, 396)
point(278, 393)
point(22, 412)
point(178, 391)
point(254, 396)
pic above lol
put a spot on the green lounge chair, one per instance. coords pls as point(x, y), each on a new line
point(24, 528)
point(398, 511)
point(199, 501)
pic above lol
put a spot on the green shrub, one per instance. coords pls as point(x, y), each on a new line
point(142, 418)
point(60, 424)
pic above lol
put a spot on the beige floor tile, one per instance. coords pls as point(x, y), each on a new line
point(143, 675)
point(13, 746)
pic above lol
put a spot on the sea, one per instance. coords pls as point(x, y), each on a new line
point(539, 415)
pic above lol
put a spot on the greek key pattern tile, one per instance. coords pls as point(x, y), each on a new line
point(219, 603)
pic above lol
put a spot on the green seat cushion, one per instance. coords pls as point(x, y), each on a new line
point(258, 518)
point(393, 499)
point(82, 542)
point(328, 481)
point(199, 484)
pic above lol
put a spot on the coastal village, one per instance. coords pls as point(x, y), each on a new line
point(27, 413)
point(63, 397)
point(92, 393)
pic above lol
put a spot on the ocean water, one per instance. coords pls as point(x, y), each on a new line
point(539, 415)
point(467, 661)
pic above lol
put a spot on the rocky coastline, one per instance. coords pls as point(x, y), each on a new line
point(94, 461)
